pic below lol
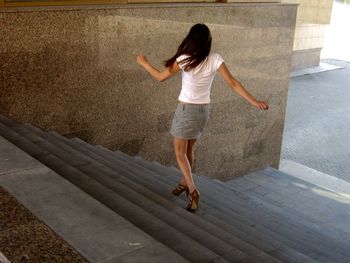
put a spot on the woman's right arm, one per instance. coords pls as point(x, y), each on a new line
point(236, 86)
point(154, 72)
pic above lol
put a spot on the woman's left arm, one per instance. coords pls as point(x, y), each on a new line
point(236, 86)
point(158, 75)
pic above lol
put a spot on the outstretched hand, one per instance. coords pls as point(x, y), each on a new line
point(141, 59)
point(262, 105)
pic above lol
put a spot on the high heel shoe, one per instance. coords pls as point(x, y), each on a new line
point(193, 201)
point(180, 189)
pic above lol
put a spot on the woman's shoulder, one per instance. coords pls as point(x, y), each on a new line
point(215, 58)
point(214, 55)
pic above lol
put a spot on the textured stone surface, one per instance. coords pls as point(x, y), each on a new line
point(82, 79)
point(24, 238)
point(315, 12)
point(306, 58)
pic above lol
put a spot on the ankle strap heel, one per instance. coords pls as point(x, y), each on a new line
point(180, 189)
point(193, 201)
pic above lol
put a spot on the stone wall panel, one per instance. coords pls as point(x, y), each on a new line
point(73, 70)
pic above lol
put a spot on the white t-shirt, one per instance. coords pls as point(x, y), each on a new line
point(196, 83)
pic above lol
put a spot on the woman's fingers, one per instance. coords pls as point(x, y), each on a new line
point(262, 105)
point(141, 59)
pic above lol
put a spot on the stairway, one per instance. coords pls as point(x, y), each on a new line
point(233, 224)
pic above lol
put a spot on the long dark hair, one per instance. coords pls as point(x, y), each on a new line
point(197, 45)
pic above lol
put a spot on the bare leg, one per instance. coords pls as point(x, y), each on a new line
point(180, 147)
point(190, 157)
point(190, 153)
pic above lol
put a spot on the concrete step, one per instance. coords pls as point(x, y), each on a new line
point(3, 259)
point(314, 177)
point(93, 229)
point(296, 195)
point(233, 198)
point(313, 237)
point(182, 244)
point(138, 177)
point(151, 181)
point(249, 234)
point(219, 246)
point(236, 221)
point(326, 207)
point(310, 233)
point(302, 208)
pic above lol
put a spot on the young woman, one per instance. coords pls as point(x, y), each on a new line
point(198, 67)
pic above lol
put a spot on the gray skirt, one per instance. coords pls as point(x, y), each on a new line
point(189, 121)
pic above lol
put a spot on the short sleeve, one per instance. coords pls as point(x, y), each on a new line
point(218, 61)
point(179, 59)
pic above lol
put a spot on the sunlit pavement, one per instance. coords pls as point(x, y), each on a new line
point(317, 126)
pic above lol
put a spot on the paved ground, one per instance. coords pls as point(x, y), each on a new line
point(317, 128)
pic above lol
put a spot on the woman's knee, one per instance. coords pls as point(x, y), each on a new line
point(180, 154)
point(180, 147)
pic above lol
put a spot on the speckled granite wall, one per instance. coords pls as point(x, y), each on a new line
point(73, 70)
